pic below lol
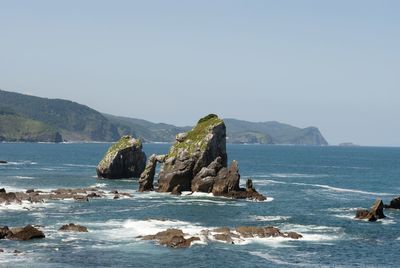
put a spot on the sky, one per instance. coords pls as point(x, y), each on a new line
point(330, 64)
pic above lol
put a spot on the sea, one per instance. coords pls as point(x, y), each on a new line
point(314, 191)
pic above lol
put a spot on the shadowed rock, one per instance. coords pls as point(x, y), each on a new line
point(173, 238)
point(147, 177)
point(124, 159)
point(394, 203)
point(73, 228)
point(26, 233)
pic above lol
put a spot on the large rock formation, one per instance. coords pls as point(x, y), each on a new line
point(198, 162)
point(193, 151)
point(124, 159)
point(374, 213)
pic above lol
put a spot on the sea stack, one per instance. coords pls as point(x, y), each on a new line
point(124, 159)
point(198, 162)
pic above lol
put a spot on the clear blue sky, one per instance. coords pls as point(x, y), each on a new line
point(330, 64)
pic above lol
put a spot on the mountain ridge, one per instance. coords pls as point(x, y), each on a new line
point(45, 119)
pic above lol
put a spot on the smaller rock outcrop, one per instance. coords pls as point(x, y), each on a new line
point(124, 159)
point(3, 162)
point(26, 233)
point(173, 238)
point(374, 213)
point(73, 228)
point(147, 177)
point(394, 203)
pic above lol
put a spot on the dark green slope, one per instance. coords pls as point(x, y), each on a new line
point(74, 121)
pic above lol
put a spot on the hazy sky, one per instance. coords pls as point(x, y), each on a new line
point(330, 64)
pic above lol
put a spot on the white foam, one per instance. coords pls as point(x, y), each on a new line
point(23, 177)
point(98, 185)
point(315, 233)
point(270, 218)
point(297, 175)
point(387, 221)
point(274, 259)
point(77, 165)
point(337, 189)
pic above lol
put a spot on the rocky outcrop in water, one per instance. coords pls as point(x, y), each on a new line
point(394, 203)
point(3, 162)
point(32, 196)
point(21, 233)
point(175, 238)
point(374, 213)
point(73, 228)
point(198, 162)
point(147, 177)
point(124, 159)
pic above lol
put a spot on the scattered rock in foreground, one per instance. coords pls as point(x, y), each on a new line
point(32, 196)
point(21, 233)
point(374, 213)
point(73, 228)
point(394, 203)
point(124, 159)
point(175, 238)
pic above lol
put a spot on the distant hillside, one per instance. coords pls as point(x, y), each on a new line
point(30, 118)
point(74, 121)
point(148, 131)
point(272, 133)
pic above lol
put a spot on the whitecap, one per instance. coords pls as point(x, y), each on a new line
point(274, 259)
point(79, 165)
point(337, 189)
point(270, 218)
point(23, 177)
point(315, 233)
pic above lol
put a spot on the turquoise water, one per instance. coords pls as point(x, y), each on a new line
point(311, 190)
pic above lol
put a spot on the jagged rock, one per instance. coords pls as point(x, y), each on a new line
point(374, 213)
point(227, 180)
point(73, 228)
point(26, 233)
point(394, 203)
point(124, 159)
point(147, 177)
point(8, 198)
point(173, 238)
point(30, 191)
point(205, 142)
point(176, 190)
point(4, 232)
point(204, 180)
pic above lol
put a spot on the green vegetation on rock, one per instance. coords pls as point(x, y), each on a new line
point(196, 139)
point(123, 143)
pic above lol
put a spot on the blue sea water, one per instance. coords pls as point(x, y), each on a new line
point(311, 190)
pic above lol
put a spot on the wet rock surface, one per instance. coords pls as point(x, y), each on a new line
point(21, 233)
point(173, 238)
point(73, 228)
point(394, 203)
point(374, 213)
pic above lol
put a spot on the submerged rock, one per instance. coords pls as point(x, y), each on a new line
point(124, 159)
point(73, 228)
point(374, 213)
point(26, 233)
point(173, 238)
point(197, 162)
point(3, 162)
